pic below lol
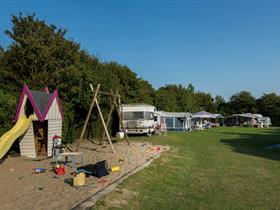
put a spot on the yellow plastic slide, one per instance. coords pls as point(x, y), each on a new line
point(7, 140)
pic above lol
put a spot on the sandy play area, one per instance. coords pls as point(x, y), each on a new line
point(21, 189)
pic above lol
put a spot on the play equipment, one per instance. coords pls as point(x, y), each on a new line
point(115, 105)
point(96, 94)
point(115, 168)
point(38, 119)
point(120, 135)
point(73, 156)
point(79, 179)
point(7, 140)
point(59, 170)
point(39, 170)
point(98, 169)
point(58, 148)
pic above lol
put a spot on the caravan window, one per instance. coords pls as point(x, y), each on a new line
point(149, 116)
point(133, 115)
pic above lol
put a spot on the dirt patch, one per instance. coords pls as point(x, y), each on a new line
point(21, 189)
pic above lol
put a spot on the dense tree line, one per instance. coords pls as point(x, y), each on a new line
point(40, 55)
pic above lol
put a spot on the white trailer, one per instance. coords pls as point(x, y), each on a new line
point(138, 118)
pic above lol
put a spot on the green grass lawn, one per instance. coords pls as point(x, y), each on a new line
point(223, 168)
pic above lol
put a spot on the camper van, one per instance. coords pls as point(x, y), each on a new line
point(138, 118)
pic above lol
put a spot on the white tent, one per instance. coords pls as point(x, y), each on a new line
point(203, 115)
point(264, 121)
point(204, 119)
point(216, 116)
point(207, 115)
point(247, 115)
point(175, 121)
point(240, 119)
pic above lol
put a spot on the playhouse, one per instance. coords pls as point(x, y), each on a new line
point(46, 111)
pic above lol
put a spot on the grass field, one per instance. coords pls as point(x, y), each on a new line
point(223, 168)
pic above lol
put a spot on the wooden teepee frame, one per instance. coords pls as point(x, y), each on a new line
point(114, 104)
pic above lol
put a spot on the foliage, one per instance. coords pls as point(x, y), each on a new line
point(204, 102)
point(269, 105)
point(39, 52)
point(8, 104)
point(40, 55)
point(175, 98)
point(221, 106)
point(242, 102)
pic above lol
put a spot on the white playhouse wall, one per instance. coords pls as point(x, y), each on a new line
point(27, 143)
point(54, 124)
point(54, 128)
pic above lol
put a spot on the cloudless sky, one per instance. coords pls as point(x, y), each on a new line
point(221, 47)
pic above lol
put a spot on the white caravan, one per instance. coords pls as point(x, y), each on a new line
point(138, 118)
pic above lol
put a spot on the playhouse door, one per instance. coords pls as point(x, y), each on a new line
point(40, 137)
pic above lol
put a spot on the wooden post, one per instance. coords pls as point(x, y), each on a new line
point(88, 115)
point(104, 125)
point(111, 111)
point(121, 119)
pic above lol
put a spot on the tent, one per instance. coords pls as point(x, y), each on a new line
point(205, 119)
point(217, 116)
point(203, 115)
point(175, 121)
point(246, 118)
point(264, 121)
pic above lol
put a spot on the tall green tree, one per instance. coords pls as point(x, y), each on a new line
point(175, 98)
point(204, 102)
point(269, 105)
point(221, 105)
point(166, 99)
point(242, 102)
point(40, 55)
point(39, 52)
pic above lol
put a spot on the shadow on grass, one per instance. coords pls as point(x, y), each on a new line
point(254, 143)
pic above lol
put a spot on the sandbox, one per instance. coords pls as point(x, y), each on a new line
point(22, 189)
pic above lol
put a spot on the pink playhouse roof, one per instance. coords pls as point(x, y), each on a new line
point(41, 102)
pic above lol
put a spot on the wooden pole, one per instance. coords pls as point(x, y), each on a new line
point(106, 93)
point(89, 112)
point(104, 125)
point(110, 112)
point(121, 119)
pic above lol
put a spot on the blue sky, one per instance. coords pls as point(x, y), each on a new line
point(221, 47)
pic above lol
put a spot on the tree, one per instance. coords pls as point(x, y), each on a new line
point(40, 56)
point(8, 104)
point(204, 102)
point(146, 92)
point(269, 105)
point(190, 88)
point(39, 52)
point(221, 105)
point(242, 102)
point(166, 99)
